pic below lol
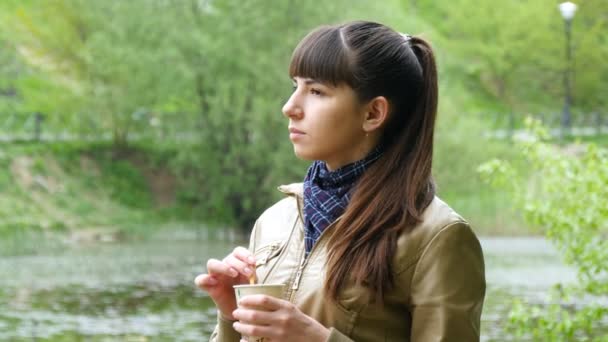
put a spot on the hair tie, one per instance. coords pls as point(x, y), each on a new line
point(406, 37)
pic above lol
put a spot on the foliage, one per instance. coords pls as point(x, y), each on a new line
point(65, 188)
point(514, 51)
point(211, 66)
point(95, 58)
point(566, 197)
point(210, 77)
point(9, 71)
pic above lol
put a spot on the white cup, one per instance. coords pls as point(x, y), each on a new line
point(273, 290)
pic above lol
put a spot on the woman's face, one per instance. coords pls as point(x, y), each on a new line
point(326, 123)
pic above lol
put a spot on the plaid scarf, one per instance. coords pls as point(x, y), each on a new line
point(327, 193)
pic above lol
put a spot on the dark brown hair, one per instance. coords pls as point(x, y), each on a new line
point(391, 195)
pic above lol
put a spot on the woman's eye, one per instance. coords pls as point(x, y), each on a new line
point(315, 91)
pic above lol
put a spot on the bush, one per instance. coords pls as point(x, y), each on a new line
point(566, 197)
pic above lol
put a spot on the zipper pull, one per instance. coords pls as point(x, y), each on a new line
point(296, 282)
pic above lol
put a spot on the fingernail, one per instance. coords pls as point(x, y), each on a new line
point(247, 270)
point(212, 281)
point(251, 259)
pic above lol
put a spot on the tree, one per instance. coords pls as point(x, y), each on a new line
point(565, 197)
point(95, 57)
point(514, 50)
point(235, 56)
point(217, 69)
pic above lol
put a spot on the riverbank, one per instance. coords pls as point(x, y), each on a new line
point(94, 192)
point(59, 193)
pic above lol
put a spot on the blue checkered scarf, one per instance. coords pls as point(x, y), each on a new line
point(327, 193)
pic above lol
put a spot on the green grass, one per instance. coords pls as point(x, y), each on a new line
point(62, 188)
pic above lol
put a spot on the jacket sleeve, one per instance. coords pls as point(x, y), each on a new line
point(224, 332)
point(448, 287)
point(337, 336)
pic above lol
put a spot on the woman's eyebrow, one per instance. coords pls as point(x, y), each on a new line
point(309, 81)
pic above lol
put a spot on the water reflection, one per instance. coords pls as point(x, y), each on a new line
point(147, 310)
point(144, 291)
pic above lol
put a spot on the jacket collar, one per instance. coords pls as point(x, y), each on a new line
point(293, 189)
point(296, 190)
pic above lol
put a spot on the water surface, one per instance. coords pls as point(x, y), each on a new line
point(144, 291)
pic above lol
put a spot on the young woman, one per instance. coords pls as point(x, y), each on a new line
point(366, 249)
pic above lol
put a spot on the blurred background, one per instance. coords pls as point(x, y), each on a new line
point(140, 138)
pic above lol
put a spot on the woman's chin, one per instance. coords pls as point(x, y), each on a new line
point(303, 154)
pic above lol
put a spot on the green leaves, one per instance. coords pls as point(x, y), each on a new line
point(516, 51)
point(566, 197)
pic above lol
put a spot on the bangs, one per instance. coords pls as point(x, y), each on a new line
point(322, 56)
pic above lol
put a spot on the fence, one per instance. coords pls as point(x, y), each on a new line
point(38, 127)
point(504, 125)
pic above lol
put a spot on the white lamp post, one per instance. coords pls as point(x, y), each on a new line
point(567, 9)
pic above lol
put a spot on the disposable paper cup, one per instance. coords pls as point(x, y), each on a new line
point(273, 290)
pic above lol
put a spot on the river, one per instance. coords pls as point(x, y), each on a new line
point(143, 291)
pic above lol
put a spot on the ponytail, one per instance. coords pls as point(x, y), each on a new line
point(391, 196)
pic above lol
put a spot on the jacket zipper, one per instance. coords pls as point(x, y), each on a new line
point(304, 262)
point(296, 282)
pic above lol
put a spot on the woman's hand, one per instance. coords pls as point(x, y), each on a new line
point(235, 269)
point(276, 319)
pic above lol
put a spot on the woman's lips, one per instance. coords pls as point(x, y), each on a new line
point(294, 130)
point(295, 133)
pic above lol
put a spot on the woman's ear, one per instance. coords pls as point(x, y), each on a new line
point(376, 114)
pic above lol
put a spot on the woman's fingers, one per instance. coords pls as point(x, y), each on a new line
point(265, 302)
point(254, 330)
point(240, 266)
point(255, 317)
point(204, 281)
point(216, 267)
point(244, 255)
point(241, 260)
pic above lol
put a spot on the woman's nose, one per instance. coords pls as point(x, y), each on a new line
point(291, 108)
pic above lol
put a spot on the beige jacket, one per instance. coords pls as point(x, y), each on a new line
point(438, 272)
